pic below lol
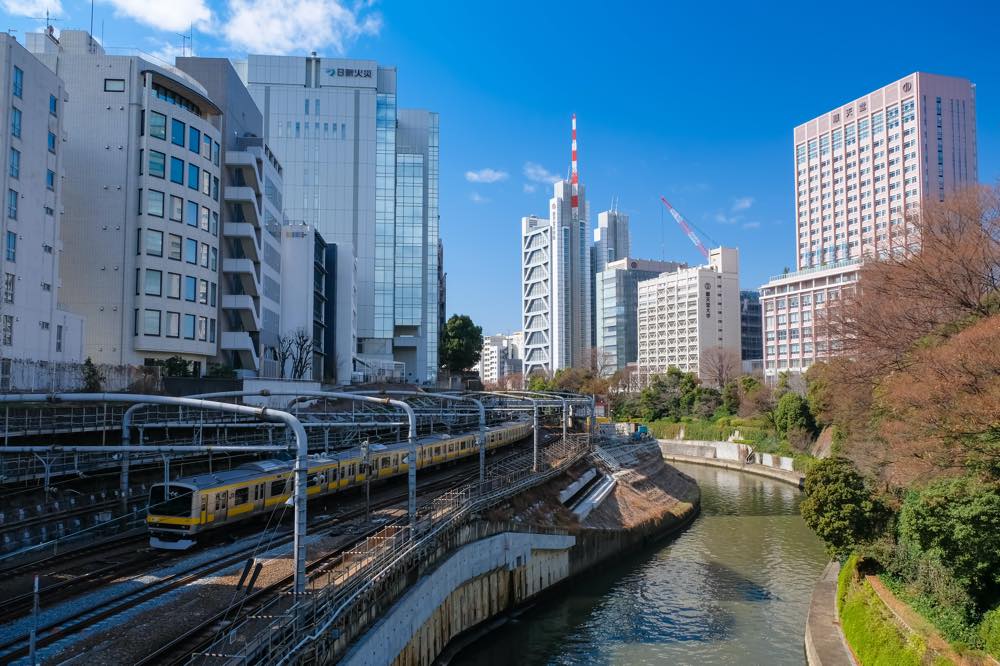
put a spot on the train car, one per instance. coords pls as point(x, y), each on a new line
point(192, 505)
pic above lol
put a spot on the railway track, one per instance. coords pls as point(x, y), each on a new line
point(79, 621)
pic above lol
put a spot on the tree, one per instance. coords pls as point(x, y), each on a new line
point(294, 353)
point(602, 363)
point(731, 397)
point(93, 379)
point(719, 365)
point(957, 522)
point(176, 366)
point(462, 343)
point(792, 414)
point(840, 508)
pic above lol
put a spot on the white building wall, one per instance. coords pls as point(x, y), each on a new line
point(536, 296)
point(32, 324)
point(684, 313)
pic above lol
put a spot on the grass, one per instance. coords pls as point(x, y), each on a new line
point(872, 633)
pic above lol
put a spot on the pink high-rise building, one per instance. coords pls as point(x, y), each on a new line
point(858, 169)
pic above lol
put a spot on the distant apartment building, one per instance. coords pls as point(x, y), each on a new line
point(751, 331)
point(611, 242)
point(33, 327)
point(498, 358)
point(306, 281)
point(859, 170)
point(141, 221)
point(617, 309)
point(684, 314)
point(365, 174)
point(251, 218)
point(556, 281)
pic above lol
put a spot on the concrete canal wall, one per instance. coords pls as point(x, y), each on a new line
point(728, 455)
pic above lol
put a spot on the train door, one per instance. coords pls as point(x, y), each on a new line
point(221, 506)
point(203, 517)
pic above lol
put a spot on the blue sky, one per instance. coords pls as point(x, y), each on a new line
point(695, 101)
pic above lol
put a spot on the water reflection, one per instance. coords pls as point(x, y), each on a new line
point(732, 589)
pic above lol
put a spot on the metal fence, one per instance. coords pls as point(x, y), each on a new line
point(351, 579)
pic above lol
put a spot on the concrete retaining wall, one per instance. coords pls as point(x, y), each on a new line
point(760, 470)
point(481, 580)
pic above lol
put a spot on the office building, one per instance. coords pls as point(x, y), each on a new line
point(251, 216)
point(555, 280)
point(335, 126)
point(751, 331)
point(688, 313)
point(141, 221)
point(33, 327)
point(304, 310)
point(617, 309)
point(498, 358)
point(859, 170)
point(611, 242)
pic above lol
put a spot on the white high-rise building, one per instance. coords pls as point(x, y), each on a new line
point(499, 358)
point(141, 220)
point(556, 281)
point(32, 325)
point(859, 169)
point(685, 313)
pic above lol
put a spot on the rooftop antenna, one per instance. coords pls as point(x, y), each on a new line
point(574, 201)
point(184, 40)
point(48, 20)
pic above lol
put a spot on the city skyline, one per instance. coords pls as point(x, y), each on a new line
point(691, 123)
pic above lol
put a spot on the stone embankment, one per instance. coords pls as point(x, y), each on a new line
point(542, 546)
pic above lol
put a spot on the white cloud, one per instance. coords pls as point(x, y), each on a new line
point(171, 15)
point(486, 176)
point(529, 188)
point(32, 8)
point(477, 198)
point(539, 174)
point(285, 26)
point(751, 225)
point(742, 203)
point(167, 52)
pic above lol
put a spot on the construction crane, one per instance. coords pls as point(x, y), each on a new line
point(686, 227)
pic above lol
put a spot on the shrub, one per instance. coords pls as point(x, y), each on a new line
point(840, 508)
point(989, 632)
point(92, 377)
point(792, 414)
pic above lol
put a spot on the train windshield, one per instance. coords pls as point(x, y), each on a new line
point(177, 504)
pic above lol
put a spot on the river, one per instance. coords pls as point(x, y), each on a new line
point(733, 588)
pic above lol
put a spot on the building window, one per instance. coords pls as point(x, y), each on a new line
point(50, 179)
point(215, 223)
point(157, 125)
point(190, 288)
point(176, 209)
point(214, 263)
point(193, 178)
point(203, 219)
point(12, 204)
point(203, 292)
point(53, 105)
point(189, 326)
point(52, 142)
point(44, 325)
point(194, 140)
point(191, 214)
point(206, 182)
point(114, 85)
point(11, 246)
point(177, 170)
point(211, 330)
point(15, 122)
point(215, 153)
point(172, 325)
point(203, 328)
point(59, 337)
point(174, 243)
point(154, 243)
point(212, 290)
point(15, 163)
point(7, 330)
point(157, 164)
point(177, 132)
point(151, 322)
point(215, 189)
point(154, 203)
point(191, 251)
point(154, 282)
point(206, 147)
point(203, 255)
point(18, 83)
point(9, 283)
point(173, 285)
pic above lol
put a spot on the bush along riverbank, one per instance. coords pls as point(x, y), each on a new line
point(921, 576)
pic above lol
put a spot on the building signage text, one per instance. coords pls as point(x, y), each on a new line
point(347, 72)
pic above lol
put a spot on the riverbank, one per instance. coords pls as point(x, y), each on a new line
point(795, 478)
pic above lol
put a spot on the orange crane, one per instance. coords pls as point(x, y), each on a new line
point(686, 227)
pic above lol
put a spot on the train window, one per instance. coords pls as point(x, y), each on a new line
point(385, 462)
point(351, 471)
point(278, 487)
point(219, 501)
point(314, 480)
point(333, 474)
point(241, 496)
point(395, 461)
point(462, 446)
point(177, 502)
point(437, 450)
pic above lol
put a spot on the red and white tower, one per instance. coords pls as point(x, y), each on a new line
point(574, 178)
